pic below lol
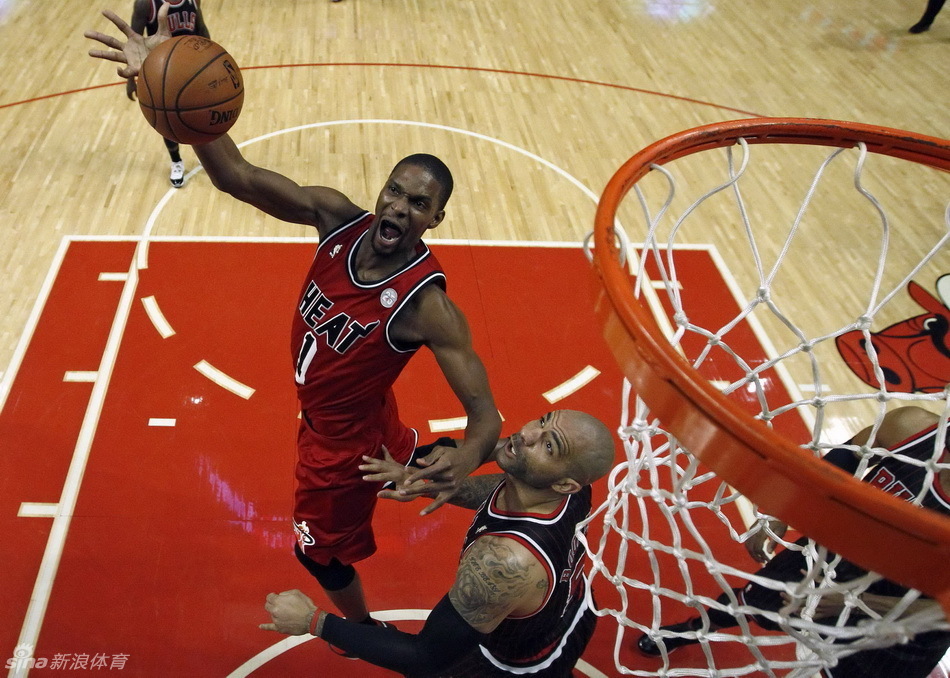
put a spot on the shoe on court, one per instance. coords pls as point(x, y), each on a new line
point(177, 176)
point(347, 655)
point(919, 27)
point(651, 648)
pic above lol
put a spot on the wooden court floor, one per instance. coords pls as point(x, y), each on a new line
point(534, 104)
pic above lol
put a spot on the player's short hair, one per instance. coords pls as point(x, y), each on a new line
point(596, 449)
point(434, 166)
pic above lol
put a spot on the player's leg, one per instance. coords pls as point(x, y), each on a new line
point(916, 659)
point(333, 513)
point(340, 582)
point(177, 175)
point(933, 8)
point(787, 565)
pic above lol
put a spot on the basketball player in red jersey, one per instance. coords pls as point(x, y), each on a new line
point(374, 294)
point(184, 18)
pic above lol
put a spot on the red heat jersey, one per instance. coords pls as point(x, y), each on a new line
point(344, 358)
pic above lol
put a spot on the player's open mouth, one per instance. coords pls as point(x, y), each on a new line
point(388, 231)
point(510, 448)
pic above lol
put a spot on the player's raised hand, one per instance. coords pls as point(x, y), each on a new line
point(136, 47)
point(385, 470)
point(444, 468)
point(388, 470)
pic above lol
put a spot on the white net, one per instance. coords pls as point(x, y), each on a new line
point(808, 327)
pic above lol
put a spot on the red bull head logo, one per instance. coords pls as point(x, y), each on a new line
point(914, 354)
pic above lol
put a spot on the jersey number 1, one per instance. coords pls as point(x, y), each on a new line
point(308, 349)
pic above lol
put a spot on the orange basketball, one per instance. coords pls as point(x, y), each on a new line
point(190, 89)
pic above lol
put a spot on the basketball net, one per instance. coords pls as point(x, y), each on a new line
point(668, 543)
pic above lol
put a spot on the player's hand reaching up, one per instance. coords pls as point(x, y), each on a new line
point(133, 51)
point(388, 470)
point(444, 468)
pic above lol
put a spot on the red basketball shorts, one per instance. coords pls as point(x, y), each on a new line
point(333, 507)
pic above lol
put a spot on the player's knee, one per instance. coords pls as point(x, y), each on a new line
point(333, 576)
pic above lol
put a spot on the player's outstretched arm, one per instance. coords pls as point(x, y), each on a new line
point(273, 193)
point(472, 491)
point(279, 196)
point(439, 324)
point(497, 577)
point(444, 640)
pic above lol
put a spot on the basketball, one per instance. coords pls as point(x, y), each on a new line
point(190, 89)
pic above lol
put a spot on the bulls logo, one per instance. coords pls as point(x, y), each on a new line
point(914, 354)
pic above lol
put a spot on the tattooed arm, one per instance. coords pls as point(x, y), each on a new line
point(497, 577)
point(471, 493)
point(474, 490)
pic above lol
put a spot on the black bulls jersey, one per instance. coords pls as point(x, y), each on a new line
point(182, 17)
point(906, 480)
point(532, 643)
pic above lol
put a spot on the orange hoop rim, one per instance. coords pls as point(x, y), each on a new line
point(835, 509)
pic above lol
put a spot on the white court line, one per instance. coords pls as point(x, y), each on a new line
point(42, 589)
point(155, 314)
point(77, 376)
point(572, 385)
point(113, 277)
point(223, 380)
point(29, 509)
point(155, 421)
point(451, 424)
point(32, 322)
point(745, 507)
point(443, 425)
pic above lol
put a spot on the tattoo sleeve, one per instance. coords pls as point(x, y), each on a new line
point(493, 578)
point(475, 489)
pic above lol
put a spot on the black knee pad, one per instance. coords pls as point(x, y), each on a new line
point(332, 577)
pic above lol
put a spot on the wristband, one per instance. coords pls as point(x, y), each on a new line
point(316, 622)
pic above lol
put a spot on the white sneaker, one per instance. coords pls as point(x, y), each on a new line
point(177, 176)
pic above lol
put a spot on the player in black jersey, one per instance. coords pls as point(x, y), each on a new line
point(184, 18)
point(518, 605)
point(910, 432)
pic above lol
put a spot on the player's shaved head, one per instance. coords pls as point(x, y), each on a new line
point(592, 443)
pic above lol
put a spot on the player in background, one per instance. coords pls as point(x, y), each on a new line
point(184, 18)
point(911, 432)
point(930, 13)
